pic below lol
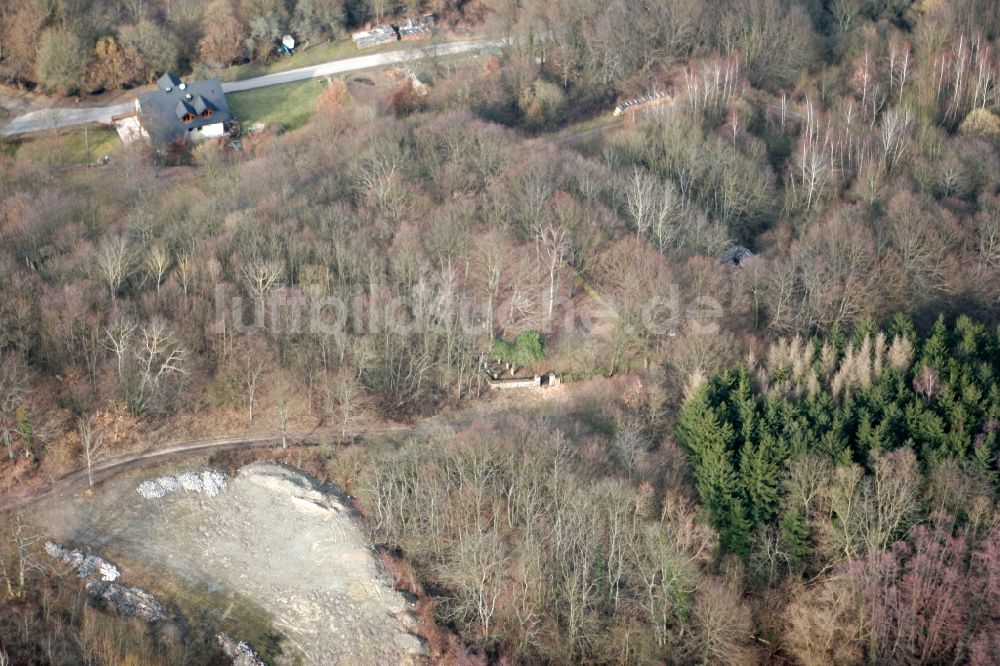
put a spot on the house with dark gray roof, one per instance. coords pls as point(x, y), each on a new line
point(736, 255)
point(182, 110)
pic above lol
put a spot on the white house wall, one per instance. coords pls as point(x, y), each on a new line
point(210, 131)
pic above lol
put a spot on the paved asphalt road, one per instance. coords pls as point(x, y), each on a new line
point(46, 119)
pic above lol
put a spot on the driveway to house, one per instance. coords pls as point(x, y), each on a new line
point(362, 62)
point(67, 116)
point(47, 119)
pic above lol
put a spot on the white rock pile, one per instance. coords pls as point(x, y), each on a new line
point(124, 600)
point(128, 601)
point(85, 565)
point(239, 652)
point(210, 482)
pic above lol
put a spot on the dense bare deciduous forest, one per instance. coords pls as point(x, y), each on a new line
point(812, 482)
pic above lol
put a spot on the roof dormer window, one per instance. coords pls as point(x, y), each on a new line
point(184, 112)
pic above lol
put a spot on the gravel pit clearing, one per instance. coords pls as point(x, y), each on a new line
point(271, 536)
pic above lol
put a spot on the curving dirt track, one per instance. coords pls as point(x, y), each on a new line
point(176, 451)
point(105, 469)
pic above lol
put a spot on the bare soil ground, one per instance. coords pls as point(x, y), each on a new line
point(273, 537)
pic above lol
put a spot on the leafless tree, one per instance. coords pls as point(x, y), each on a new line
point(622, 522)
point(899, 65)
point(630, 446)
point(769, 559)
point(92, 443)
point(870, 512)
point(576, 582)
point(988, 244)
point(894, 135)
point(260, 276)
point(873, 95)
point(832, 277)
point(555, 244)
point(805, 481)
point(156, 263)
point(753, 28)
point(870, 173)
point(639, 191)
point(23, 538)
point(664, 557)
point(723, 624)
point(520, 293)
point(536, 190)
point(250, 360)
point(185, 270)
point(91, 345)
point(282, 393)
point(114, 262)
point(713, 85)
point(896, 490)
point(380, 179)
point(812, 165)
point(476, 569)
point(6, 573)
point(917, 244)
point(119, 332)
point(963, 76)
point(379, 9)
point(823, 623)
point(346, 401)
point(668, 220)
point(489, 260)
point(842, 496)
point(14, 388)
point(158, 358)
point(845, 13)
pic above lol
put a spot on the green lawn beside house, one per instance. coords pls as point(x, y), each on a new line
point(69, 147)
point(289, 104)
